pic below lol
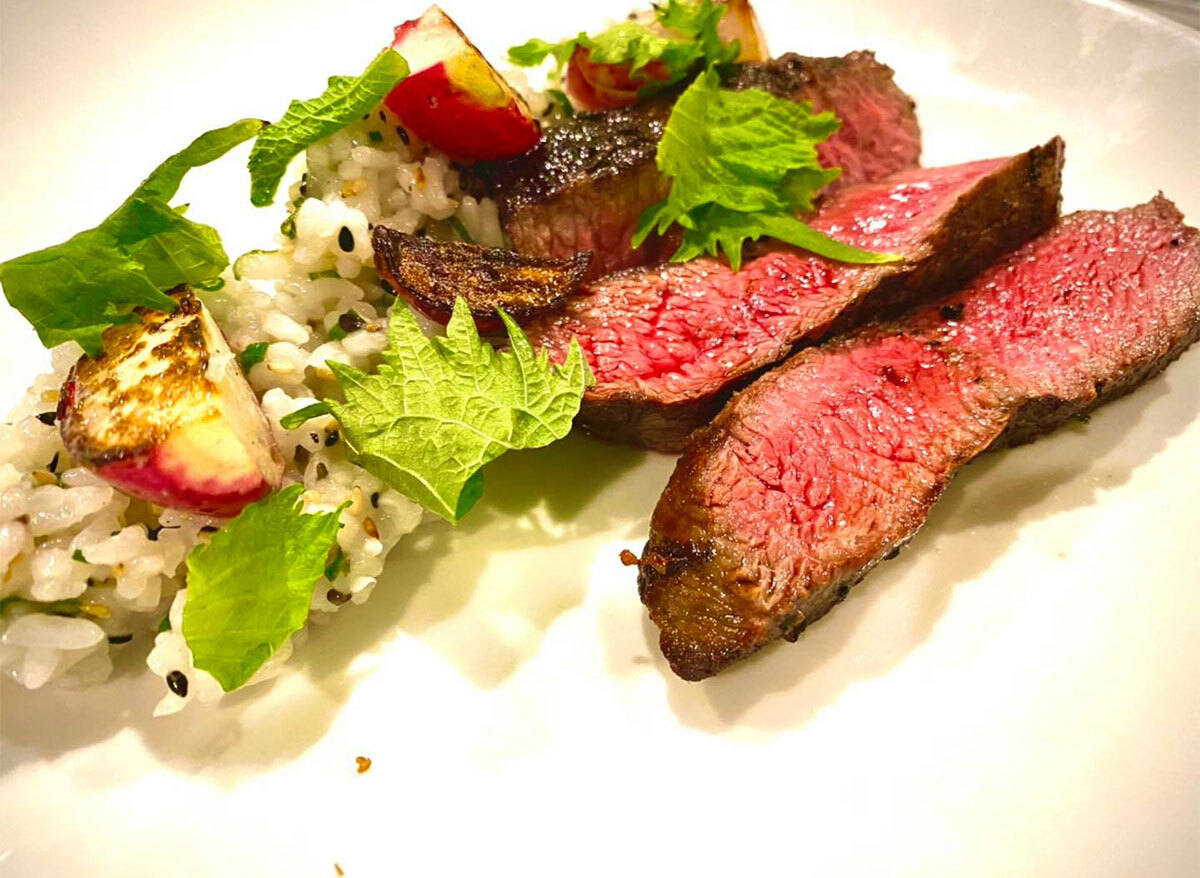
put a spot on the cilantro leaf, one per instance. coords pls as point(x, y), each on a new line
point(681, 36)
point(742, 165)
point(305, 122)
point(250, 587)
point(79, 288)
point(438, 409)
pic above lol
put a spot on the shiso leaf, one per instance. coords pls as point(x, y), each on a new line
point(305, 122)
point(250, 587)
point(690, 39)
point(437, 410)
point(76, 290)
point(742, 165)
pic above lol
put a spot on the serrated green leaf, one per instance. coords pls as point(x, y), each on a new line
point(742, 165)
point(437, 410)
point(686, 37)
point(305, 122)
point(250, 587)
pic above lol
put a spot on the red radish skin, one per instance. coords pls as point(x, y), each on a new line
point(453, 98)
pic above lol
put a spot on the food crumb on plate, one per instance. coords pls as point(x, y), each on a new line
point(364, 763)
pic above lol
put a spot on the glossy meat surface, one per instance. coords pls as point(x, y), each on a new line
point(586, 184)
point(829, 464)
point(667, 345)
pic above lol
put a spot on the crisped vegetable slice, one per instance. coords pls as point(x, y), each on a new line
point(75, 290)
point(305, 122)
point(249, 589)
point(432, 274)
point(438, 409)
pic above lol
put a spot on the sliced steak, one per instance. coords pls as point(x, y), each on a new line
point(669, 345)
point(830, 463)
point(586, 184)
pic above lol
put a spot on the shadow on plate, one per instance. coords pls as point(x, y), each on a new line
point(977, 519)
point(469, 592)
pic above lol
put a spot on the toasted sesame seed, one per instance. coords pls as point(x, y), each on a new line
point(177, 682)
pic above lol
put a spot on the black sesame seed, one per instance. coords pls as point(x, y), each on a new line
point(331, 438)
point(335, 597)
point(53, 466)
point(48, 418)
point(382, 116)
point(207, 529)
point(842, 591)
point(375, 500)
point(1175, 242)
point(402, 134)
point(120, 638)
point(351, 322)
point(346, 239)
point(177, 682)
point(322, 471)
point(315, 437)
point(152, 533)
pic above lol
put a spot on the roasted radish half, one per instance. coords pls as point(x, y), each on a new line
point(453, 98)
point(165, 414)
point(431, 274)
point(595, 86)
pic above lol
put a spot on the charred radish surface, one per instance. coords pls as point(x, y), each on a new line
point(431, 274)
point(165, 414)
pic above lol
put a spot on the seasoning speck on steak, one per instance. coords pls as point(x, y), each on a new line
point(825, 466)
point(668, 345)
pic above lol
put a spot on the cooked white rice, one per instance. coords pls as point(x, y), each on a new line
point(85, 569)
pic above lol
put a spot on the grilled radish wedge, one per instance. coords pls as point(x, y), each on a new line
point(165, 414)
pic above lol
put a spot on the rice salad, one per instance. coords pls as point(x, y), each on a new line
point(86, 570)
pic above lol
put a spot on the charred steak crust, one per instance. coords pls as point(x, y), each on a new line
point(589, 180)
point(996, 208)
point(829, 464)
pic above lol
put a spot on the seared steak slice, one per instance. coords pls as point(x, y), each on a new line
point(586, 184)
point(828, 464)
point(668, 345)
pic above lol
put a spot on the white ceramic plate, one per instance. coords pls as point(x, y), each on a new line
point(1017, 695)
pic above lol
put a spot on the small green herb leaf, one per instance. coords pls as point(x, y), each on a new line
point(742, 165)
point(682, 36)
point(298, 417)
point(249, 589)
point(305, 122)
point(253, 355)
point(438, 409)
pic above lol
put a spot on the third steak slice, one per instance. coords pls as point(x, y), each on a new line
point(668, 345)
point(586, 184)
point(827, 465)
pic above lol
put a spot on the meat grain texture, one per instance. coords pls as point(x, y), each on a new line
point(829, 464)
point(588, 181)
point(669, 345)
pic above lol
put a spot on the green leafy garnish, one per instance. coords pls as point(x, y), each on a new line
point(76, 290)
point(438, 409)
point(685, 38)
point(299, 416)
point(742, 165)
point(305, 122)
point(253, 355)
point(250, 587)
